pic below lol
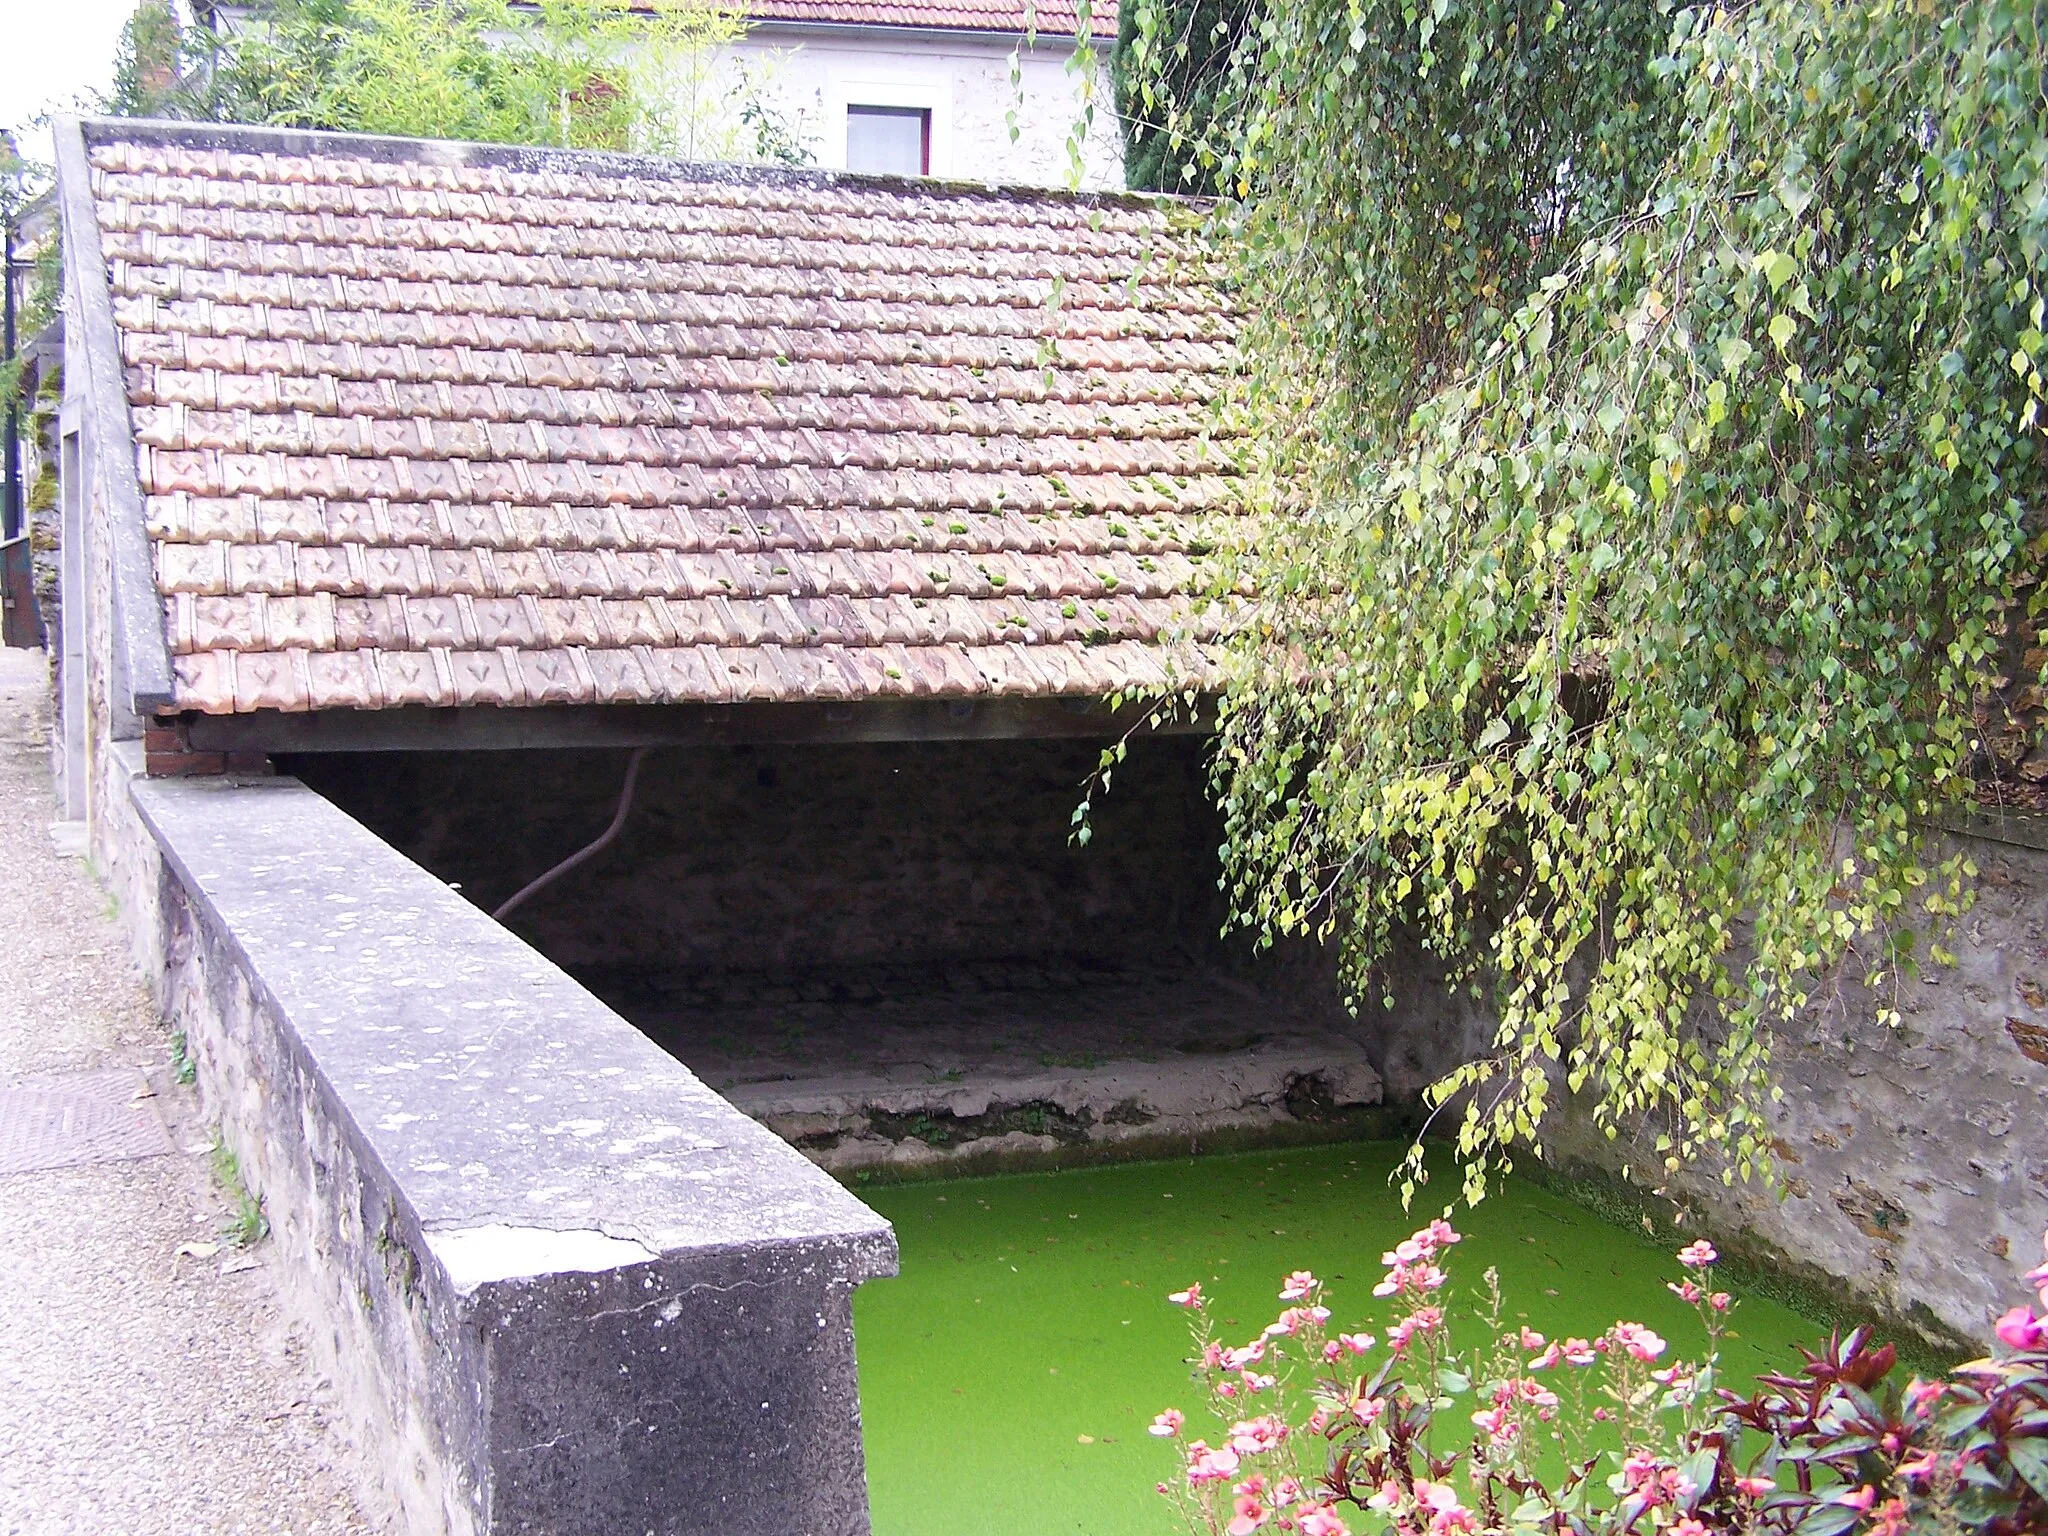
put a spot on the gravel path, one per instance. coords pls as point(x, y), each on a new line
point(141, 1390)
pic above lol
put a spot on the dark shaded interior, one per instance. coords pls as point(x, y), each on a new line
point(803, 909)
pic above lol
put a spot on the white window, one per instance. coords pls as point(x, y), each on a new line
point(887, 120)
point(889, 141)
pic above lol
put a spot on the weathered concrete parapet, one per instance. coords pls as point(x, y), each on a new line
point(562, 1286)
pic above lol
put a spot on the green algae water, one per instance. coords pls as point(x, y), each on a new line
point(1008, 1375)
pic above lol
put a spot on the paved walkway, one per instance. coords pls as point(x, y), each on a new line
point(142, 1389)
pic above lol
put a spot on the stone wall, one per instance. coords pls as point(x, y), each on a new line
point(769, 858)
point(1913, 1172)
point(560, 1286)
point(1915, 1162)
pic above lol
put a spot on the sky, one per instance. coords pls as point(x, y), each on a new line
point(55, 51)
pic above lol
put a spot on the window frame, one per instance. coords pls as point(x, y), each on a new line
point(878, 109)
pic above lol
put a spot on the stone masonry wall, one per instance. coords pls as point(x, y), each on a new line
point(915, 853)
point(560, 1286)
point(1913, 1162)
point(355, 1266)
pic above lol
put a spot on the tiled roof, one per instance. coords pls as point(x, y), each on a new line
point(437, 425)
point(1051, 18)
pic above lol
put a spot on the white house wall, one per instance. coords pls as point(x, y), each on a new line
point(811, 76)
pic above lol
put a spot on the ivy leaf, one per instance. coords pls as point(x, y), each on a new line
point(1782, 329)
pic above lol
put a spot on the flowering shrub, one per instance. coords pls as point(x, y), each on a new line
point(1413, 1433)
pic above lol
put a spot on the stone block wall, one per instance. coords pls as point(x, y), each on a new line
point(768, 858)
point(560, 1286)
point(1913, 1162)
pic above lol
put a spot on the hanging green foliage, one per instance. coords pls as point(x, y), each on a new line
point(1650, 446)
point(1170, 64)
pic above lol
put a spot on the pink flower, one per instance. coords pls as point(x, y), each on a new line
point(1579, 1352)
point(1320, 1520)
point(1925, 1465)
point(1388, 1496)
point(1286, 1492)
point(1191, 1297)
point(1755, 1487)
point(1535, 1392)
point(1441, 1500)
point(1249, 1507)
point(1548, 1358)
point(1858, 1499)
point(1251, 1354)
point(1923, 1395)
point(1210, 1466)
point(1294, 1319)
point(1443, 1234)
point(1720, 1301)
point(2020, 1329)
point(1355, 1343)
point(1254, 1437)
point(2040, 1276)
point(1497, 1422)
point(1686, 1292)
point(1299, 1286)
point(1686, 1526)
point(1531, 1339)
point(1212, 1355)
point(1257, 1383)
point(1367, 1410)
point(1697, 1255)
point(1891, 1518)
point(1422, 1320)
point(1168, 1423)
point(1639, 1341)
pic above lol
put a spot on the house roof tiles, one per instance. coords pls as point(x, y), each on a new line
point(443, 428)
point(1050, 18)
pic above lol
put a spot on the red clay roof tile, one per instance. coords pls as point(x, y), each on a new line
point(427, 429)
point(1052, 18)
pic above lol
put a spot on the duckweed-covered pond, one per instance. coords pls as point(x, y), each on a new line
point(1008, 1375)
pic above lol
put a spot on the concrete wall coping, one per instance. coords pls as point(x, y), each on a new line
point(530, 1129)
